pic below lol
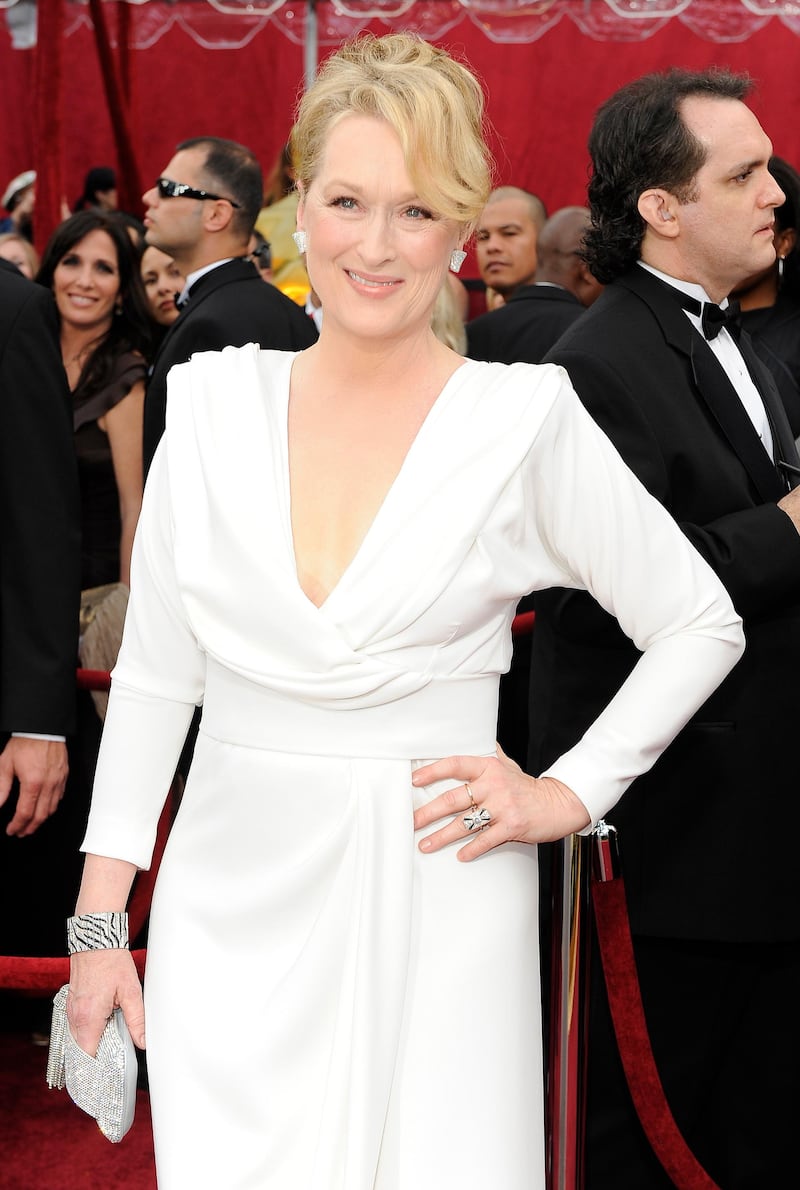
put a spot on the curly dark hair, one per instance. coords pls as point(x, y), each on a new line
point(639, 141)
point(131, 329)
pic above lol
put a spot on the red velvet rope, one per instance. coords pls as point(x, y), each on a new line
point(522, 624)
point(627, 1013)
point(93, 679)
point(30, 974)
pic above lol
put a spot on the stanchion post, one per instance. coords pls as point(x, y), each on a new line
point(568, 1012)
point(576, 860)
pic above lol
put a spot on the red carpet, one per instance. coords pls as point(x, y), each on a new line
point(46, 1143)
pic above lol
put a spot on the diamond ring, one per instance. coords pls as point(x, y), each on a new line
point(477, 819)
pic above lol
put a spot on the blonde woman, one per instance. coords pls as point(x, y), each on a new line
point(332, 547)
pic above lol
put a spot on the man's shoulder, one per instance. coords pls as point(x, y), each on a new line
point(17, 291)
point(527, 304)
point(24, 304)
point(541, 293)
point(524, 330)
point(620, 320)
point(234, 309)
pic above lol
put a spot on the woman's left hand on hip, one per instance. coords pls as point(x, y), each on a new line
point(496, 803)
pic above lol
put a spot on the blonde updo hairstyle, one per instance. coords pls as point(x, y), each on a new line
point(433, 103)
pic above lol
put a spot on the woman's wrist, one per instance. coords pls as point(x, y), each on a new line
point(97, 931)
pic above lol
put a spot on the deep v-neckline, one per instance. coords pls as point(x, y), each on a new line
point(430, 417)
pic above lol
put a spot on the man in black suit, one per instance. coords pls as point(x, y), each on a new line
point(536, 315)
point(39, 561)
point(682, 209)
point(201, 212)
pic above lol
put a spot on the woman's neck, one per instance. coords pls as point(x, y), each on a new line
point(79, 342)
point(77, 345)
point(351, 363)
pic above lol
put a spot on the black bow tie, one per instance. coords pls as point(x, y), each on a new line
point(180, 302)
point(712, 318)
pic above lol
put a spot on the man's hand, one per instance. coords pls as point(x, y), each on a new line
point(791, 506)
point(41, 768)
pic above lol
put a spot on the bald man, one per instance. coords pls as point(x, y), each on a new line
point(537, 314)
point(506, 239)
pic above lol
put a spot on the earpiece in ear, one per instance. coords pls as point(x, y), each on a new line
point(665, 215)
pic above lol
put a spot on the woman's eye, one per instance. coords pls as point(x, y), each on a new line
point(70, 261)
point(417, 213)
point(347, 204)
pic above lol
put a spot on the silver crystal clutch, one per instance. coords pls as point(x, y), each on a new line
point(103, 1086)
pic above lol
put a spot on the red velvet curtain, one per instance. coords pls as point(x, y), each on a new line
point(47, 133)
point(116, 80)
point(541, 97)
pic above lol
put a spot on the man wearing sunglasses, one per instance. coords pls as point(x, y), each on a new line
point(201, 212)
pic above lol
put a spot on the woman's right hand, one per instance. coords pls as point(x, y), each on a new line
point(99, 982)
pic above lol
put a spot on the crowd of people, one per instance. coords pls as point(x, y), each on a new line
point(272, 414)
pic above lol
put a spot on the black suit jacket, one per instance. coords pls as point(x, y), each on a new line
point(39, 517)
point(228, 307)
point(700, 834)
point(525, 329)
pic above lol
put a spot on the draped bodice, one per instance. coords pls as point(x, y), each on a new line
point(422, 607)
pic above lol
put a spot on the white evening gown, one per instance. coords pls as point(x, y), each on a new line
point(327, 1008)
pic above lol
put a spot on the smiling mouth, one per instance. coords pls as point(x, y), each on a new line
point(364, 281)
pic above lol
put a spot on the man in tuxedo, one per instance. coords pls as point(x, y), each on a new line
point(39, 562)
point(201, 212)
point(536, 314)
point(682, 209)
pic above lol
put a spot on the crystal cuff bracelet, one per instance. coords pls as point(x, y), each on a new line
point(97, 931)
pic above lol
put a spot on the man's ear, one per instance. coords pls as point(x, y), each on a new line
point(658, 209)
point(218, 216)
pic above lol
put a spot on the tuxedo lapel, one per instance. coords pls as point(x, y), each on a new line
point(713, 386)
point(722, 399)
point(785, 448)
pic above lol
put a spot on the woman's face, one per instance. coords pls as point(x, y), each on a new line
point(13, 250)
point(377, 255)
point(163, 281)
point(86, 283)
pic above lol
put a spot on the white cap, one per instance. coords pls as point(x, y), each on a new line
point(21, 182)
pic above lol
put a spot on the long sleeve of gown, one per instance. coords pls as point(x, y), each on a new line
point(605, 532)
point(157, 682)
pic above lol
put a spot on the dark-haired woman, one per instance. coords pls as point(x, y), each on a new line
point(770, 301)
point(93, 270)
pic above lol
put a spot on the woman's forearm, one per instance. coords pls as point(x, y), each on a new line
point(105, 886)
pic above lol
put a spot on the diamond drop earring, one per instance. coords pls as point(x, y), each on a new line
point(457, 258)
point(301, 240)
